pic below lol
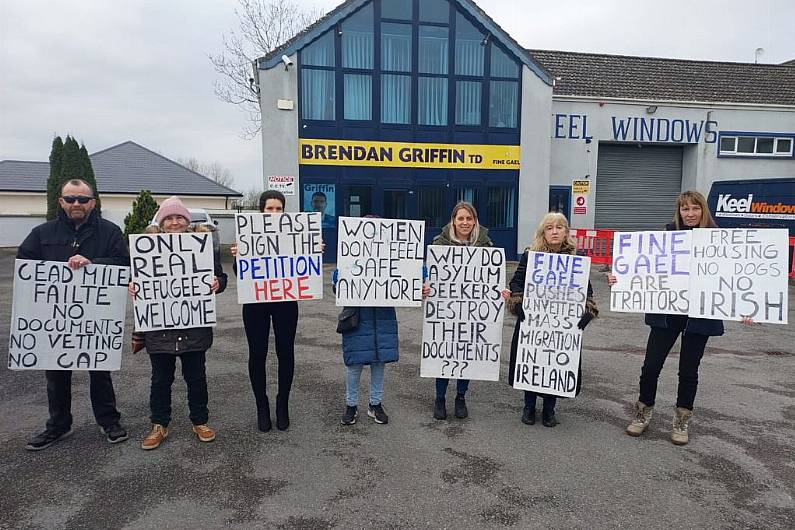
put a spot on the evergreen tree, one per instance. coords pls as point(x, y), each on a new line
point(143, 210)
point(72, 167)
point(88, 176)
point(54, 180)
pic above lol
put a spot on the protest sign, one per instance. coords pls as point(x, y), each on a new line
point(64, 319)
point(279, 257)
point(173, 275)
point(548, 352)
point(652, 270)
point(738, 272)
point(380, 262)
point(462, 329)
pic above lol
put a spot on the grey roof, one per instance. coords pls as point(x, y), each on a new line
point(124, 168)
point(653, 78)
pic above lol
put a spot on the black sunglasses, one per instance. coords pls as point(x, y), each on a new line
point(79, 198)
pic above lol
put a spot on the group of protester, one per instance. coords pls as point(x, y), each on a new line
point(79, 237)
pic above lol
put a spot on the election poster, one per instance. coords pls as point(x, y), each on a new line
point(65, 319)
point(380, 262)
point(321, 198)
point(652, 270)
point(739, 272)
point(462, 326)
point(173, 275)
point(279, 257)
point(550, 343)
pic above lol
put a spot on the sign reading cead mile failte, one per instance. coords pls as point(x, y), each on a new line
point(548, 352)
point(64, 319)
point(462, 329)
point(279, 257)
point(379, 262)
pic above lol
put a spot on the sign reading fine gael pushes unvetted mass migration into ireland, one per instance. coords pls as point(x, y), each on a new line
point(462, 329)
point(279, 257)
point(739, 272)
point(652, 270)
point(64, 319)
point(548, 354)
point(173, 275)
point(379, 262)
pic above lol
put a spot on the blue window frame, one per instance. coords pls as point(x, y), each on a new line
point(434, 11)
point(396, 9)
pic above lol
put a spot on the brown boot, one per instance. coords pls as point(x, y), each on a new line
point(154, 438)
point(204, 433)
point(641, 420)
point(681, 419)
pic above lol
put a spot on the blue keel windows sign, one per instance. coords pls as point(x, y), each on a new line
point(639, 129)
point(321, 198)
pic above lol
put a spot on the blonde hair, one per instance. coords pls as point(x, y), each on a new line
point(475, 233)
point(693, 197)
point(568, 246)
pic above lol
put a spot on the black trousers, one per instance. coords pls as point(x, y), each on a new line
point(657, 348)
point(193, 370)
point(257, 322)
point(59, 397)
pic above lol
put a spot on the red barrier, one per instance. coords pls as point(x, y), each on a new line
point(596, 244)
point(792, 258)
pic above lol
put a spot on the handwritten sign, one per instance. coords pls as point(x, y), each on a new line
point(64, 319)
point(462, 330)
point(279, 257)
point(380, 262)
point(548, 353)
point(652, 270)
point(737, 272)
point(173, 274)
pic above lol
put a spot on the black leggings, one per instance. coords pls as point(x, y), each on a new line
point(659, 345)
point(257, 322)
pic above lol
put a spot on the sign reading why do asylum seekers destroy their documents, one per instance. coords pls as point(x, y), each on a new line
point(548, 353)
point(379, 262)
point(652, 270)
point(279, 257)
point(739, 272)
point(462, 329)
point(64, 319)
point(173, 275)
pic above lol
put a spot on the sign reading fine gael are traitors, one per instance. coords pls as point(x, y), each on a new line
point(64, 319)
point(548, 353)
point(279, 257)
point(462, 329)
point(652, 270)
point(739, 272)
point(379, 262)
point(173, 275)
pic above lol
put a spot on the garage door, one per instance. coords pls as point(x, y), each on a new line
point(636, 187)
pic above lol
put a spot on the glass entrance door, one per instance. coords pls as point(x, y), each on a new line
point(395, 204)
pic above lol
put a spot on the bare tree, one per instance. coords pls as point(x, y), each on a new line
point(211, 170)
point(250, 200)
point(264, 26)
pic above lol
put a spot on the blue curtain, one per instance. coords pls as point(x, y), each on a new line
point(467, 103)
point(503, 104)
point(317, 94)
point(358, 97)
point(395, 98)
point(432, 101)
point(320, 52)
point(357, 39)
point(469, 49)
point(502, 65)
point(396, 47)
point(433, 46)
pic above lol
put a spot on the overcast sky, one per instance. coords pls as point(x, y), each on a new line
point(107, 71)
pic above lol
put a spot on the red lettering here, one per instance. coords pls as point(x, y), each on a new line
point(303, 287)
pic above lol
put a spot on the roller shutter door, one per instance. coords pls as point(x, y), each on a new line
point(636, 187)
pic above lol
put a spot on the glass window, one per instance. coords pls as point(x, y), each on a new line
point(320, 52)
point(358, 99)
point(395, 98)
point(396, 47)
point(500, 207)
point(357, 39)
point(432, 101)
point(395, 204)
point(503, 104)
point(469, 48)
point(745, 145)
point(430, 202)
point(358, 201)
point(783, 145)
point(467, 102)
point(433, 50)
point(317, 94)
point(502, 65)
point(434, 11)
point(465, 194)
point(764, 146)
point(399, 9)
point(728, 143)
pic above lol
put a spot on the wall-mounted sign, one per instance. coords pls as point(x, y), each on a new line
point(282, 183)
point(580, 190)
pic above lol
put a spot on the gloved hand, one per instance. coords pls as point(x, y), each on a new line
point(585, 319)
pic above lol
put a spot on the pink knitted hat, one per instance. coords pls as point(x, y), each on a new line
point(171, 206)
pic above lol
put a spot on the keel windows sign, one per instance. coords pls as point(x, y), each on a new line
point(746, 207)
point(64, 319)
point(402, 154)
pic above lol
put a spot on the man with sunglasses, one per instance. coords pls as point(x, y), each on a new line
point(78, 236)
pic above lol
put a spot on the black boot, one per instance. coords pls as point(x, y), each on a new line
point(264, 416)
point(439, 409)
point(529, 416)
point(461, 411)
point(548, 418)
point(282, 413)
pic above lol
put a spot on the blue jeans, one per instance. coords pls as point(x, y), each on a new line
point(354, 375)
point(461, 386)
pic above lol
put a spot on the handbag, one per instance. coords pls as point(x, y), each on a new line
point(348, 319)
